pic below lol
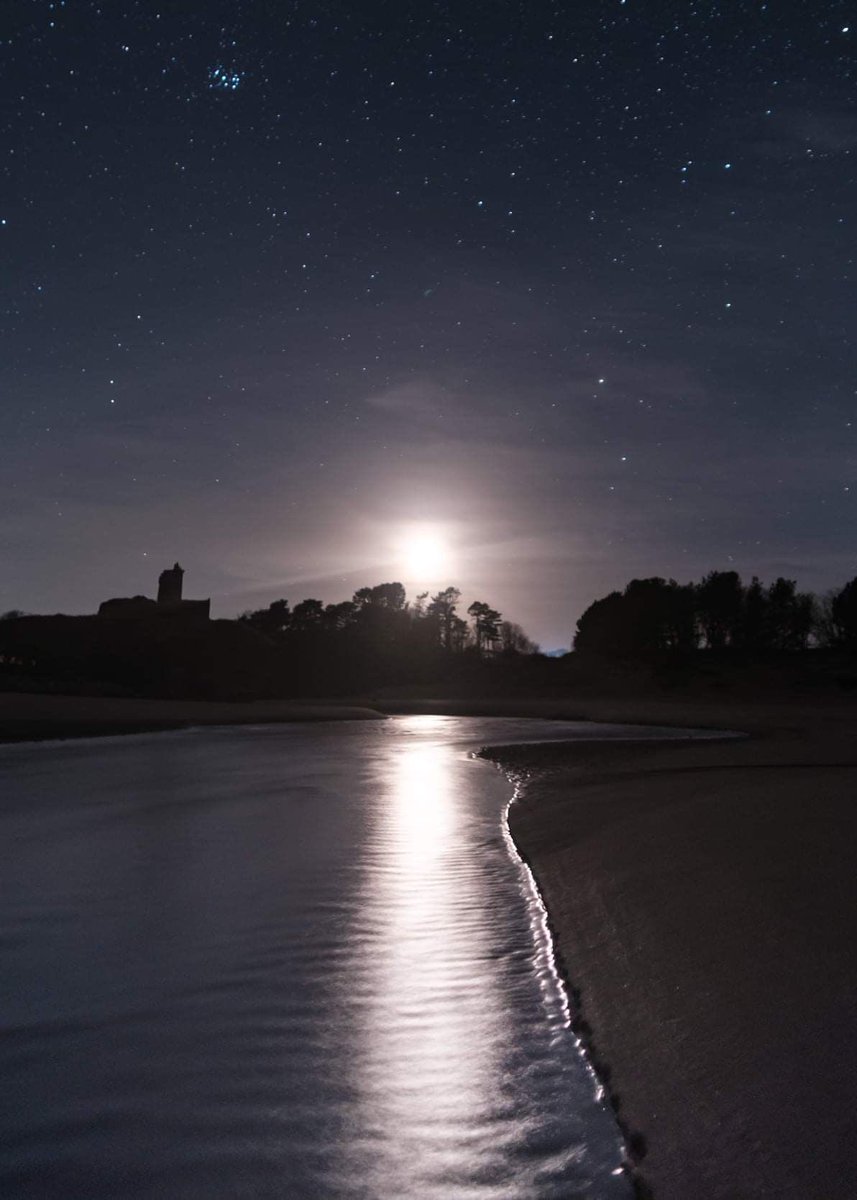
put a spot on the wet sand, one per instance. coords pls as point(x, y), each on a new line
point(30, 717)
point(704, 901)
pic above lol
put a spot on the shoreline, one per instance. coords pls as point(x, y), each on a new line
point(40, 716)
point(35, 717)
point(702, 902)
point(547, 943)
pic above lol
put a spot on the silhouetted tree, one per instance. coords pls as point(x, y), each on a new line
point(442, 607)
point(650, 616)
point(654, 611)
point(459, 634)
point(272, 621)
point(339, 616)
point(601, 629)
point(513, 640)
point(788, 616)
point(384, 595)
point(486, 625)
point(679, 621)
point(805, 617)
point(825, 631)
point(843, 614)
point(307, 615)
point(751, 631)
point(719, 600)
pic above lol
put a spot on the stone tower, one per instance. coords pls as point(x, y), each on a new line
point(170, 586)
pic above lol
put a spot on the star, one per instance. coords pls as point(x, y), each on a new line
point(224, 79)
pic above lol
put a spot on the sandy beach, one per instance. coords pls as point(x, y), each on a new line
point(704, 901)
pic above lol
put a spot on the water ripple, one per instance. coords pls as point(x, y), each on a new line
point(284, 962)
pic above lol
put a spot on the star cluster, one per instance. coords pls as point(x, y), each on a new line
point(574, 280)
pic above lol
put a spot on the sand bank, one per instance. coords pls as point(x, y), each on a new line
point(26, 717)
point(704, 900)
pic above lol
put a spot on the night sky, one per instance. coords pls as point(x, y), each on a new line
point(568, 288)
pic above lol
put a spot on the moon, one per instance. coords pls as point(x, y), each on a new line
point(424, 554)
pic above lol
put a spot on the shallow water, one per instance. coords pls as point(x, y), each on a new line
point(290, 961)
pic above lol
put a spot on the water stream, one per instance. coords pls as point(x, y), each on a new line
point(288, 961)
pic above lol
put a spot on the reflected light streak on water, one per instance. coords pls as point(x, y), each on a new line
point(422, 1073)
point(283, 962)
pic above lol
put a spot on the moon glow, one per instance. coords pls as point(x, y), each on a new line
point(424, 555)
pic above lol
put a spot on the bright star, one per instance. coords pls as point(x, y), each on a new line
point(224, 79)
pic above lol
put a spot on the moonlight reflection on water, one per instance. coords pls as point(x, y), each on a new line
point(283, 961)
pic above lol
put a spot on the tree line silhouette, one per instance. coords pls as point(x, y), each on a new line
point(718, 613)
point(378, 639)
point(380, 618)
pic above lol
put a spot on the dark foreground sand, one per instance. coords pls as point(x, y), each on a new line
point(30, 717)
point(704, 900)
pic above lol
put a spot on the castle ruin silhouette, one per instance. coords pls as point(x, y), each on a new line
point(169, 603)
